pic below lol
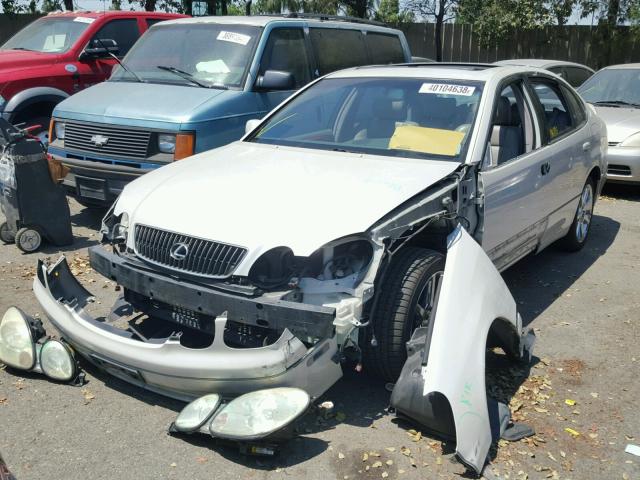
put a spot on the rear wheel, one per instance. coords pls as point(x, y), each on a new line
point(407, 299)
point(6, 235)
point(28, 239)
point(579, 231)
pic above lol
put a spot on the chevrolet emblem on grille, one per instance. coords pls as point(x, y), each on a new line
point(99, 140)
point(179, 251)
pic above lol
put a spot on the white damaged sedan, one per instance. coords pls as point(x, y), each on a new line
point(366, 218)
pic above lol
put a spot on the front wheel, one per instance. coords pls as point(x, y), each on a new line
point(407, 300)
point(581, 225)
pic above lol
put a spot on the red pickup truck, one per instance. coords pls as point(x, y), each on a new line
point(60, 54)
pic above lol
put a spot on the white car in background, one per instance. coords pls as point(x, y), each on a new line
point(574, 73)
point(367, 217)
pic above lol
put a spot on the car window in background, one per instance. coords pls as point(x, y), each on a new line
point(576, 76)
point(616, 87)
point(558, 71)
point(416, 118)
point(49, 35)
point(336, 49)
point(214, 55)
point(123, 31)
point(286, 51)
point(384, 48)
point(576, 107)
point(556, 112)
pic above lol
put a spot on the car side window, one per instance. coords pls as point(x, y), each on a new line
point(576, 107)
point(558, 71)
point(336, 49)
point(124, 31)
point(286, 51)
point(557, 119)
point(384, 48)
point(512, 131)
point(576, 76)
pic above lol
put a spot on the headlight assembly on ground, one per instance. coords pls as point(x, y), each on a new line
point(24, 346)
point(260, 416)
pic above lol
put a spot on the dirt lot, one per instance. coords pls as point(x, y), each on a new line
point(582, 396)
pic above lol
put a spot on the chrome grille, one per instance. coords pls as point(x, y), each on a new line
point(204, 257)
point(122, 141)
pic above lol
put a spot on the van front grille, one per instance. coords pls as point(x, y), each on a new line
point(104, 139)
point(194, 255)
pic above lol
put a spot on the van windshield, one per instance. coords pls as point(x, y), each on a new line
point(400, 117)
point(208, 54)
point(49, 35)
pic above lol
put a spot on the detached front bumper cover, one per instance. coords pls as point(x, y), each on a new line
point(169, 368)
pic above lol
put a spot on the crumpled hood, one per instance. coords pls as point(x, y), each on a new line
point(262, 196)
point(621, 122)
point(12, 60)
point(134, 102)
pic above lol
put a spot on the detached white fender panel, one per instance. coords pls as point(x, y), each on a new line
point(442, 385)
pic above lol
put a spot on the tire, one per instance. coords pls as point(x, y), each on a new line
point(6, 235)
point(28, 240)
point(403, 291)
point(581, 225)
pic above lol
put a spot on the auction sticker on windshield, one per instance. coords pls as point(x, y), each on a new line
point(233, 37)
point(447, 88)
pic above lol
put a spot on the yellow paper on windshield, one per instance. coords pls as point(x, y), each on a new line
point(426, 140)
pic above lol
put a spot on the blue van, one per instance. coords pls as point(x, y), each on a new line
point(190, 85)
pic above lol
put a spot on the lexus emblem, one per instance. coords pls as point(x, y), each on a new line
point(99, 140)
point(179, 251)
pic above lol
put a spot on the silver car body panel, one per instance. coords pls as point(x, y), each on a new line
point(624, 162)
point(454, 364)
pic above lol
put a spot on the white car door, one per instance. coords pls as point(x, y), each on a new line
point(514, 179)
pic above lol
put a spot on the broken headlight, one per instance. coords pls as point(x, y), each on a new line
point(115, 228)
point(259, 414)
point(24, 346)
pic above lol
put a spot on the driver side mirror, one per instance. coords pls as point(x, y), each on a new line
point(100, 48)
point(251, 125)
point(276, 80)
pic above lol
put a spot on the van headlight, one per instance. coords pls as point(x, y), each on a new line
point(59, 127)
point(259, 414)
point(167, 143)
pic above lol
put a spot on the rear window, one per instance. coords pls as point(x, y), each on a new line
point(384, 48)
point(336, 49)
point(576, 76)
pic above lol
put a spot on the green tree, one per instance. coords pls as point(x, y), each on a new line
point(438, 12)
point(389, 12)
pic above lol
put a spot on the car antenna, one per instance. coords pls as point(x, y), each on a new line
point(120, 62)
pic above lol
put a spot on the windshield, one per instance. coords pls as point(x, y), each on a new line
point(617, 86)
point(403, 117)
point(209, 55)
point(49, 35)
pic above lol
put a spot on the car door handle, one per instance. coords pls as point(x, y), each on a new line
point(544, 168)
point(586, 146)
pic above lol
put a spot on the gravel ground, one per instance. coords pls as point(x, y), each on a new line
point(584, 308)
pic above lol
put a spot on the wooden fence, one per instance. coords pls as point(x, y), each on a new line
point(578, 43)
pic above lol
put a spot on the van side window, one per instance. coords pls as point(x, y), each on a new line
point(557, 118)
point(384, 48)
point(124, 31)
point(336, 49)
point(286, 51)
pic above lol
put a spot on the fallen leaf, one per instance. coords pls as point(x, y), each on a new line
point(439, 460)
point(365, 456)
point(340, 455)
point(173, 465)
point(374, 454)
point(570, 402)
point(385, 474)
point(390, 449)
point(88, 396)
point(389, 462)
point(401, 471)
point(405, 451)
point(3, 400)
point(572, 432)
point(377, 464)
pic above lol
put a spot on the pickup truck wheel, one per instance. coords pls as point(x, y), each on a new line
point(579, 231)
point(407, 299)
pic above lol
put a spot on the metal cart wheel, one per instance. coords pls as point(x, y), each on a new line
point(28, 240)
point(6, 235)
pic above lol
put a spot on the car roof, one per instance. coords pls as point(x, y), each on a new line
point(622, 66)
point(112, 13)
point(540, 63)
point(445, 71)
point(263, 20)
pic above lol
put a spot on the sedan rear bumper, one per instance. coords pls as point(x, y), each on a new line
point(166, 366)
point(623, 164)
